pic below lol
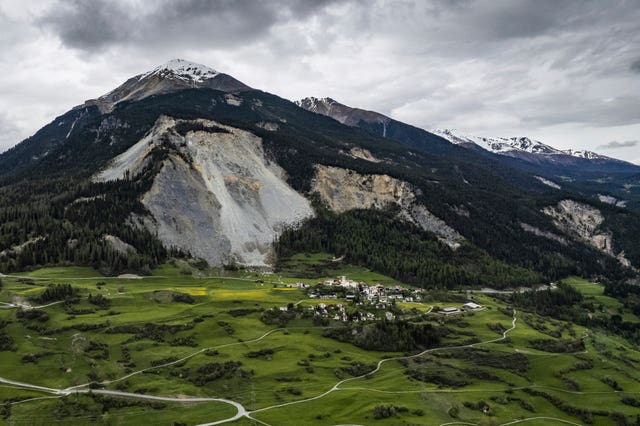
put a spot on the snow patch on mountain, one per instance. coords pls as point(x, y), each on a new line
point(513, 145)
point(172, 76)
point(183, 70)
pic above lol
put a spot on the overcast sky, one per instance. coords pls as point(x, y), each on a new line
point(564, 72)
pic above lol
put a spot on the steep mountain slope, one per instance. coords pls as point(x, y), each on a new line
point(224, 176)
point(216, 195)
point(578, 171)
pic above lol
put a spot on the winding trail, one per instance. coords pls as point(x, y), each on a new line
point(27, 306)
point(241, 411)
point(168, 364)
point(540, 418)
point(336, 387)
point(23, 277)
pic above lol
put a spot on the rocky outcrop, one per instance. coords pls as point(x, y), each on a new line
point(583, 223)
point(118, 245)
point(546, 234)
point(363, 154)
point(608, 199)
point(18, 248)
point(216, 195)
point(344, 189)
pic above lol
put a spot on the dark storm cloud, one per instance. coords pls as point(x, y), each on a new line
point(618, 145)
point(566, 70)
point(91, 24)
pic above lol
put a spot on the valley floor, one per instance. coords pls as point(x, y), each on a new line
point(249, 348)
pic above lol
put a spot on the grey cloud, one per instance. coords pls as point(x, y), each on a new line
point(87, 25)
point(91, 24)
point(556, 108)
point(617, 145)
point(9, 133)
point(489, 65)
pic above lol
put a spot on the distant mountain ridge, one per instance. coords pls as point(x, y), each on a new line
point(515, 145)
point(582, 171)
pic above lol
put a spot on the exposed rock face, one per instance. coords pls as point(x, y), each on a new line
point(582, 222)
point(548, 182)
point(363, 154)
point(119, 245)
point(17, 249)
point(546, 234)
point(608, 199)
point(216, 195)
point(268, 125)
point(343, 189)
point(431, 223)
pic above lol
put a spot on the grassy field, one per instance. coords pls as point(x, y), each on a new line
point(184, 333)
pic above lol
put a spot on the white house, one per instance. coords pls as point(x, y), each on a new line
point(471, 306)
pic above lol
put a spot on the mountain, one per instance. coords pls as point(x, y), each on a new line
point(172, 76)
point(176, 163)
point(523, 148)
point(342, 113)
point(587, 173)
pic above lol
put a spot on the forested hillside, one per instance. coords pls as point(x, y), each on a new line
point(53, 213)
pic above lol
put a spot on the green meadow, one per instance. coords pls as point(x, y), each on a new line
point(183, 333)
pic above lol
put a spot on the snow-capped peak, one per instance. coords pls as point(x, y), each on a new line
point(183, 70)
point(589, 155)
point(314, 104)
point(497, 145)
point(513, 145)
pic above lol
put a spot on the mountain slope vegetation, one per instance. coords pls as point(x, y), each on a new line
point(54, 211)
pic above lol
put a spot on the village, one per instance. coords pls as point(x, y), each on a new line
point(367, 302)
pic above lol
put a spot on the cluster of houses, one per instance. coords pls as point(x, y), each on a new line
point(337, 312)
point(361, 292)
point(376, 296)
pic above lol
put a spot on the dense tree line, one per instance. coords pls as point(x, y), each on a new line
point(65, 223)
point(548, 302)
point(567, 304)
point(378, 240)
point(396, 336)
point(56, 292)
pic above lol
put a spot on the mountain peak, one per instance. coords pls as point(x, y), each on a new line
point(174, 75)
point(184, 70)
point(340, 112)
